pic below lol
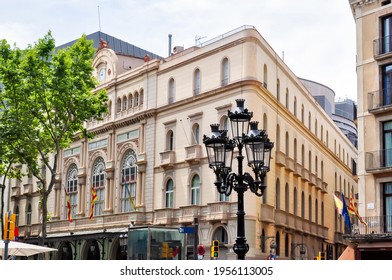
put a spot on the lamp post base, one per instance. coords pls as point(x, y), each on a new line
point(241, 248)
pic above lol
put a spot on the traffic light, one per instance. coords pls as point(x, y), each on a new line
point(321, 255)
point(9, 226)
point(215, 249)
point(165, 250)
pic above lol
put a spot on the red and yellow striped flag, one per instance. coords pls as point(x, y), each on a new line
point(93, 200)
point(353, 209)
point(69, 214)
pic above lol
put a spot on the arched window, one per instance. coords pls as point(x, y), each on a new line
point(310, 121)
point(119, 105)
point(170, 141)
point(277, 196)
point(196, 82)
point(28, 215)
point(287, 98)
point(303, 205)
point(195, 190)
point(303, 156)
point(72, 189)
point(171, 91)
point(98, 181)
point(287, 145)
point(302, 114)
point(310, 161)
point(196, 134)
point(295, 150)
point(128, 182)
point(17, 215)
point(316, 211)
point(278, 89)
point(125, 103)
point(225, 72)
point(110, 107)
point(310, 208)
point(136, 99)
point(278, 138)
point(130, 98)
point(141, 97)
point(169, 194)
point(265, 122)
point(295, 202)
point(265, 78)
point(295, 106)
point(221, 235)
point(287, 198)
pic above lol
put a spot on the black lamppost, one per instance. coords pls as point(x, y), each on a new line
point(220, 156)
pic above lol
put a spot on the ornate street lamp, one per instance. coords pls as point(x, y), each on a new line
point(220, 154)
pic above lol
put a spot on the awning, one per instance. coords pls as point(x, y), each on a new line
point(376, 245)
point(348, 253)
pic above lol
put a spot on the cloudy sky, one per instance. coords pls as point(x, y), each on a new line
point(315, 37)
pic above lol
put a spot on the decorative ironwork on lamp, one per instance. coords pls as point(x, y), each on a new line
point(220, 155)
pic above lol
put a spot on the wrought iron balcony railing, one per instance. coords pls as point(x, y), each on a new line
point(382, 46)
point(377, 160)
point(380, 99)
point(375, 225)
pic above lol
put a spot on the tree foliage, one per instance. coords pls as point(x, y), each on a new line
point(46, 96)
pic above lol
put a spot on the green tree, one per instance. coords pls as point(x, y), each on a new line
point(47, 96)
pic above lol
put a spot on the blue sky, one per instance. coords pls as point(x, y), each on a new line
point(317, 37)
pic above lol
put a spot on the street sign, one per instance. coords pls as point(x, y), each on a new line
point(186, 230)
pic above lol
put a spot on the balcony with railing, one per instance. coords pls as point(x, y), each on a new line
point(193, 153)
point(167, 159)
point(379, 161)
point(382, 47)
point(375, 225)
point(380, 101)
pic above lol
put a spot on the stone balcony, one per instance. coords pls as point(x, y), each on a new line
point(193, 154)
point(164, 216)
point(167, 159)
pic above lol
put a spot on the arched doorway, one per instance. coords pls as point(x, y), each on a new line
point(65, 251)
point(220, 234)
point(93, 252)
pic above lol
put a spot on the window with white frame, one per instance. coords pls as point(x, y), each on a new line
point(98, 182)
point(128, 182)
point(169, 194)
point(195, 190)
point(72, 189)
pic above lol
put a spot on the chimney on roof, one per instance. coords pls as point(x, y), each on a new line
point(170, 43)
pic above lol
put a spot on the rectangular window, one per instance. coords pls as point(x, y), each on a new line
point(387, 139)
point(388, 206)
point(386, 30)
point(386, 94)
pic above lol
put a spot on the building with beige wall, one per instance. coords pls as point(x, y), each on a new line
point(150, 147)
point(374, 63)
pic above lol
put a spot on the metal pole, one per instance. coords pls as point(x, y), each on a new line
point(240, 246)
point(196, 238)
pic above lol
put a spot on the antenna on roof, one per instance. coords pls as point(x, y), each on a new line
point(99, 20)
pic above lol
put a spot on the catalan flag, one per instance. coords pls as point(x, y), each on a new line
point(67, 198)
point(353, 209)
point(94, 198)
